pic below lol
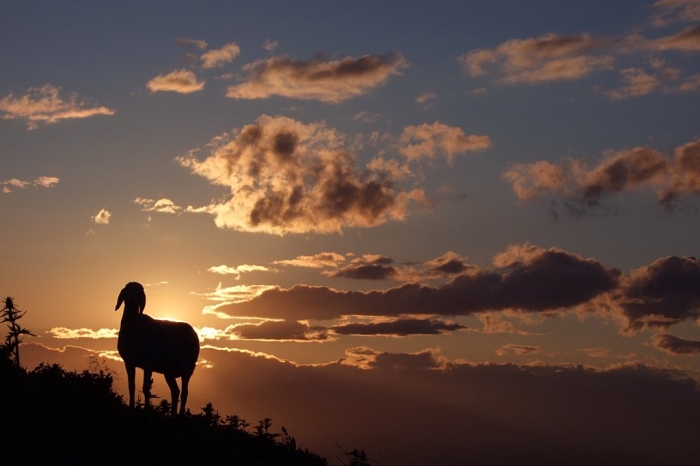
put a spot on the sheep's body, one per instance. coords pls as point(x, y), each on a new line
point(169, 348)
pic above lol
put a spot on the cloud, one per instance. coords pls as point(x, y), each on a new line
point(670, 11)
point(200, 44)
point(691, 83)
point(64, 333)
point(331, 81)
point(675, 346)
point(428, 141)
point(43, 182)
point(688, 40)
point(558, 414)
point(266, 331)
point(398, 327)
point(426, 97)
point(519, 350)
point(316, 261)
point(163, 206)
point(531, 279)
point(585, 187)
point(270, 45)
point(449, 263)
point(219, 57)
point(636, 82)
point(181, 81)
point(661, 294)
point(367, 267)
point(44, 105)
point(288, 177)
point(102, 217)
point(552, 57)
point(238, 270)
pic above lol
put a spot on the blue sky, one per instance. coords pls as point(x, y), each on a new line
point(437, 185)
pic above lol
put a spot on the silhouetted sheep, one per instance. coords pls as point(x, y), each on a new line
point(163, 346)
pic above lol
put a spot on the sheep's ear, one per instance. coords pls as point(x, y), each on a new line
point(120, 299)
point(143, 301)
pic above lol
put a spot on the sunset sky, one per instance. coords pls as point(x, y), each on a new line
point(459, 207)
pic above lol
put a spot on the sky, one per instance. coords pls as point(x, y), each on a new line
point(470, 225)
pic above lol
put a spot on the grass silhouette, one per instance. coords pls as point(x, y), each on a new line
point(50, 416)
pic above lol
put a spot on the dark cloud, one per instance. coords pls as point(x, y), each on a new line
point(366, 272)
point(399, 327)
point(662, 294)
point(532, 279)
point(674, 345)
point(328, 81)
point(484, 413)
point(289, 177)
point(278, 330)
point(584, 187)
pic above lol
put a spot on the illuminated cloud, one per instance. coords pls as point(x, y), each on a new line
point(552, 57)
point(288, 177)
point(670, 11)
point(163, 206)
point(449, 263)
point(328, 81)
point(688, 40)
point(200, 44)
point(398, 327)
point(584, 187)
point(367, 358)
point(219, 57)
point(42, 182)
point(529, 279)
point(429, 141)
point(426, 97)
point(317, 261)
point(674, 346)
point(691, 83)
point(64, 333)
point(43, 104)
point(238, 270)
point(181, 81)
point(636, 82)
point(102, 217)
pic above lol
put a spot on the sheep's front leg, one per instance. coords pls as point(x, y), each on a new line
point(147, 376)
point(174, 392)
point(131, 377)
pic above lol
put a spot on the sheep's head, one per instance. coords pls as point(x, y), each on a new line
point(132, 295)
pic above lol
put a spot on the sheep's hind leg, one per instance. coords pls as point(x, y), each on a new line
point(185, 391)
point(174, 392)
point(131, 377)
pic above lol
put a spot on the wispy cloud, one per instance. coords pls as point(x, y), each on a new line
point(289, 177)
point(181, 81)
point(398, 328)
point(200, 44)
point(585, 187)
point(219, 57)
point(164, 206)
point(316, 261)
point(671, 11)
point(238, 270)
point(331, 81)
point(45, 105)
point(518, 350)
point(270, 45)
point(674, 346)
point(552, 57)
point(75, 333)
point(13, 184)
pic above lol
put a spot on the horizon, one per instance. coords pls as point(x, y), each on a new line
point(385, 204)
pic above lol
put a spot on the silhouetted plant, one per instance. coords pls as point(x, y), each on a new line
point(236, 422)
point(262, 430)
point(355, 458)
point(11, 314)
point(211, 415)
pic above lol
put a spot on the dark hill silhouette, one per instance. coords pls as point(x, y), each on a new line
point(54, 416)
